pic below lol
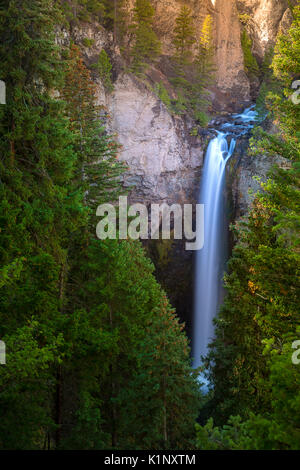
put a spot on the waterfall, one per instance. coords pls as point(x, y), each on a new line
point(210, 261)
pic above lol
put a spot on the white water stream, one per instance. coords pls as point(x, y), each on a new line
point(211, 260)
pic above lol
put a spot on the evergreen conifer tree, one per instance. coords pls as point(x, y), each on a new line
point(205, 67)
point(184, 36)
point(37, 166)
point(146, 47)
point(138, 362)
point(184, 39)
point(251, 357)
point(98, 168)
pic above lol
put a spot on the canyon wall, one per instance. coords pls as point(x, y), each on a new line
point(162, 152)
point(267, 18)
point(164, 159)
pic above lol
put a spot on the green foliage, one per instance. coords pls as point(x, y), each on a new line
point(145, 373)
point(26, 385)
point(37, 166)
point(286, 61)
point(180, 105)
point(245, 19)
point(104, 67)
point(232, 436)
point(184, 37)
point(205, 69)
point(192, 77)
point(85, 10)
point(194, 132)
point(96, 357)
point(146, 47)
point(283, 422)
point(87, 42)
point(183, 41)
point(11, 272)
point(162, 93)
point(162, 251)
point(109, 13)
point(202, 118)
point(113, 15)
point(277, 430)
point(96, 150)
point(261, 99)
point(251, 357)
point(251, 65)
point(269, 84)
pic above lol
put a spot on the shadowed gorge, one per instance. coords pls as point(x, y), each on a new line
point(128, 130)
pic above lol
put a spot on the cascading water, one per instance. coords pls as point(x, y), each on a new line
point(210, 261)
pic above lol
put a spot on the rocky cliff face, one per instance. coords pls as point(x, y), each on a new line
point(267, 18)
point(232, 89)
point(230, 76)
point(232, 81)
point(164, 160)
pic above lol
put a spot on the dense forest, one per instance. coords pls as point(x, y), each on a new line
point(96, 357)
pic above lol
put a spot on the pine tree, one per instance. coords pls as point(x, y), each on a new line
point(104, 68)
point(80, 317)
point(96, 181)
point(120, 21)
point(204, 57)
point(146, 46)
point(250, 359)
point(164, 384)
point(99, 169)
point(37, 165)
point(139, 367)
point(86, 10)
point(205, 67)
point(50, 165)
point(184, 38)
